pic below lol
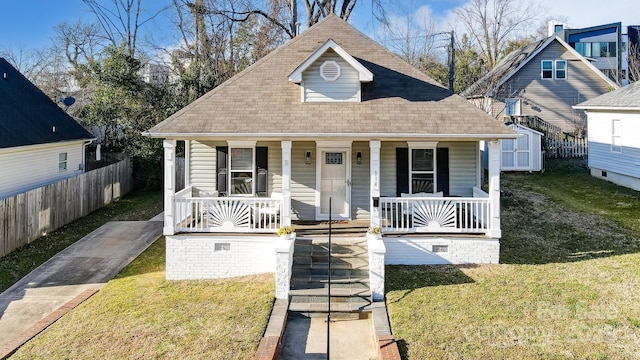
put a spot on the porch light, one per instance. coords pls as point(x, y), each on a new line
point(307, 158)
point(359, 157)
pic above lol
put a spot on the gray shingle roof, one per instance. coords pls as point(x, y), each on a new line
point(401, 101)
point(28, 116)
point(626, 97)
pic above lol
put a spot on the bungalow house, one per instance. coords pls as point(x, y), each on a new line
point(39, 142)
point(329, 123)
point(543, 79)
point(614, 135)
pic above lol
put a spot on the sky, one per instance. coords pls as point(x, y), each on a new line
point(29, 24)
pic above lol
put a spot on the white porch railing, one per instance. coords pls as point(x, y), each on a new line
point(225, 214)
point(436, 214)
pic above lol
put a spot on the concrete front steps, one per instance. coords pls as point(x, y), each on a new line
point(350, 293)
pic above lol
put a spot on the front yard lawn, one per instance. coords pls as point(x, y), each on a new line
point(140, 315)
point(568, 286)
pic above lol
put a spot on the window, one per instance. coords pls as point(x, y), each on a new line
point(422, 171)
point(241, 170)
point(595, 50)
point(557, 28)
point(62, 162)
point(554, 69)
point(547, 69)
point(616, 136)
point(587, 49)
point(561, 69)
point(512, 107)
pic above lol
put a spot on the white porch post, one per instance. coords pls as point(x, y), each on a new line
point(494, 150)
point(374, 166)
point(169, 185)
point(285, 217)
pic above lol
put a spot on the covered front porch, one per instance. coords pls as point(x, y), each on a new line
point(365, 193)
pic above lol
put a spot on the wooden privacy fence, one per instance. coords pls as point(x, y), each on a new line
point(566, 148)
point(29, 215)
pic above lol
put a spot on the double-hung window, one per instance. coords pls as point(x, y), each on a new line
point(561, 69)
point(422, 166)
point(547, 69)
point(241, 170)
point(62, 162)
point(512, 107)
point(616, 136)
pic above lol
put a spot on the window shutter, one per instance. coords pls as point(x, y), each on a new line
point(402, 171)
point(442, 171)
point(221, 169)
point(262, 155)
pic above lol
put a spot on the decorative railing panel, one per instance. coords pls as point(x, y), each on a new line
point(226, 214)
point(435, 215)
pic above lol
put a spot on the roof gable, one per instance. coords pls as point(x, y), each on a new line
point(364, 74)
point(28, 116)
point(261, 103)
point(518, 59)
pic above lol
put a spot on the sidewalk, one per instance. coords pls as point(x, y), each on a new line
point(70, 277)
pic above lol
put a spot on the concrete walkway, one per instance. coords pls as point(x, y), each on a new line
point(69, 278)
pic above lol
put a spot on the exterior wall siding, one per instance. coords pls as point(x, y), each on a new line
point(420, 251)
point(29, 167)
point(202, 165)
point(626, 164)
point(303, 181)
point(345, 88)
point(360, 181)
point(204, 257)
point(274, 159)
point(550, 99)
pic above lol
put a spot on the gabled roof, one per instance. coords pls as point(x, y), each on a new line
point(516, 60)
point(364, 75)
point(625, 98)
point(28, 116)
point(260, 102)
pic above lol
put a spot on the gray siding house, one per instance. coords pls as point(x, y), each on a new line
point(544, 79)
point(329, 115)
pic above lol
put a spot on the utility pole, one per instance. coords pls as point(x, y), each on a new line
point(452, 62)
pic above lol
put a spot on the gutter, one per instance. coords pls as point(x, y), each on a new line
point(315, 136)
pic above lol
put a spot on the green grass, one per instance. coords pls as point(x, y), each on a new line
point(568, 286)
point(140, 315)
point(138, 205)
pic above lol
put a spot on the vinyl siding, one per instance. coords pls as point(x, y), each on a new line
point(463, 167)
point(600, 155)
point(29, 167)
point(360, 181)
point(203, 164)
point(345, 88)
point(550, 99)
point(303, 181)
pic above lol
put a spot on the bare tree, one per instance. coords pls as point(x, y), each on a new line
point(634, 63)
point(492, 23)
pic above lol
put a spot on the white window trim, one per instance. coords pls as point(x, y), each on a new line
point(542, 70)
point(616, 148)
point(517, 103)
point(423, 146)
point(65, 162)
point(555, 69)
point(242, 145)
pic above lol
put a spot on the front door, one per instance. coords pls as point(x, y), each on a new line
point(334, 183)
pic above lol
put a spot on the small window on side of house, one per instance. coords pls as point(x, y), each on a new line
point(547, 69)
point(62, 162)
point(512, 107)
point(561, 69)
point(616, 136)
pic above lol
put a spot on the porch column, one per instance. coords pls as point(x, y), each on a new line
point(169, 185)
point(374, 166)
point(285, 217)
point(494, 150)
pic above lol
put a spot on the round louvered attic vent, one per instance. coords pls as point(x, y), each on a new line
point(330, 70)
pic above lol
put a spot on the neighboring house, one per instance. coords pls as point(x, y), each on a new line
point(543, 79)
point(39, 142)
point(614, 135)
point(333, 118)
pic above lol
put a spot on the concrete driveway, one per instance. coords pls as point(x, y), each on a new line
point(69, 278)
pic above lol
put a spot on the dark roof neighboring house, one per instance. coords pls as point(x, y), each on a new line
point(626, 98)
point(30, 117)
point(262, 100)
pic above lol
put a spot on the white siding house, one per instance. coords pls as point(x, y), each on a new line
point(329, 115)
point(614, 135)
point(39, 142)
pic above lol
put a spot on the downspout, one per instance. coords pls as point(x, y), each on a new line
point(84, 152)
